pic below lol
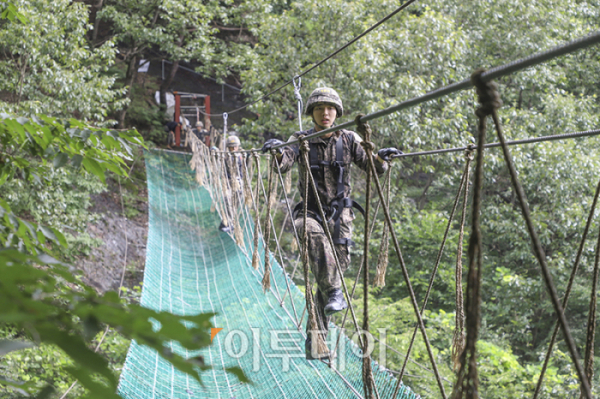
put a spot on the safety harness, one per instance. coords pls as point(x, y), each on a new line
point(333, 211)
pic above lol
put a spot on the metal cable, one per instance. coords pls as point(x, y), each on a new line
point(555, 137)
point(493, 73)
point(413, 298)
point(464, 182)
point(402, 7)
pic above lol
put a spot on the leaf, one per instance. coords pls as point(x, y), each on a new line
point(48, 233)
point(7, 346)
point(76, 160)
point(94, 167)
point(16, 385)
point(239, 373)
point(76, 349)
point(98, 390)
point(60, 160)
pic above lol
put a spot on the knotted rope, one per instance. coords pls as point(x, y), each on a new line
point(467, 384)
point(458, 338)
point(463, 182)
point(383, 259)
point(297, 87)
point(247, 183)
point(487, 88)
point(255, 256)
point(367, 145)
point(266, 282)
point(568, 290)
point(413, 298)
point(316, 339)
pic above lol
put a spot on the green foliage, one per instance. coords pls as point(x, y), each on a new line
point(48, 67)
point(41, 297)
point(423, 48)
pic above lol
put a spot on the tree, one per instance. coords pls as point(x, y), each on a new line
point(48, 68)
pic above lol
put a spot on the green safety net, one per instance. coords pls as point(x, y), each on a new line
point(191, 268)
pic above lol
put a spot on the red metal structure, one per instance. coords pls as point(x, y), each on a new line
point(192, 103)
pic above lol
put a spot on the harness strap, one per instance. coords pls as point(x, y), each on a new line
point(335, 207)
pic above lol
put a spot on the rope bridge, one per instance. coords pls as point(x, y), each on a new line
point(192, 267)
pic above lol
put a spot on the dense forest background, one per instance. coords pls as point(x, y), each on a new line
point(71, 100)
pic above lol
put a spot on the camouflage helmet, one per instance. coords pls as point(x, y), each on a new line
point(324, 95)
point(233, 141)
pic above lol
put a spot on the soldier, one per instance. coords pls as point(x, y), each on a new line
point(330, 158)
point(232, 161)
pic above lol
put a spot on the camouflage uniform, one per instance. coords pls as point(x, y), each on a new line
point(233, 198)
point(320, 254)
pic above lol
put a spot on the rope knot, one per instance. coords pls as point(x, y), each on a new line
point(304, 146)
point(487, 93)
point(469, 151)
point(368, 146)
point(363, 127)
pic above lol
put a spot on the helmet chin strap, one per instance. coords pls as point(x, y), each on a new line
point(317, 123)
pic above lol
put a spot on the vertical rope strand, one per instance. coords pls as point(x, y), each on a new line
point(318, 346)
point(255, 256)
point(541, 257)
point(411, 292)
point(266, 282)
point(382, 261)
point(463, 182)
point(368, 380)
point(568, 290)
point(458, 338)
point(591, 326)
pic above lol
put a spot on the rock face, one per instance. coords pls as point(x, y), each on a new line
point(121, 237)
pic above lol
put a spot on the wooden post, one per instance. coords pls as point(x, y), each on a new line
point(177, 114)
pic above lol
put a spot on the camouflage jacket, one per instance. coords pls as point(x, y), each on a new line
point(326, 151)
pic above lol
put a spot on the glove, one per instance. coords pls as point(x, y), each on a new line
point(271, 143)
point(385, 153)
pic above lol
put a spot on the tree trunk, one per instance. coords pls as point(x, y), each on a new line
point(169, 79)
point(167, 82)
point(129, 80)
point(95, 21)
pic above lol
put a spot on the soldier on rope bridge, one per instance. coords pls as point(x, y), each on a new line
point(330, 159)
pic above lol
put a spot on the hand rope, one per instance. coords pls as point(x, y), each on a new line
point(316, 339)
point(341, 328)
point(464, 181)
point(568, 290)
point(537, 245)
point(458, 338)
point(467, 384)
point(255, 256)
point(382, 260)
point(297, 87)
point(224, 138)
point(407, 280)
point(266, 282)
point(235, 199)
point(368, 380)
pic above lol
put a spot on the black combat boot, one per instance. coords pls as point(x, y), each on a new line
point(335, 302)
point(226, 229)
point(308, 351)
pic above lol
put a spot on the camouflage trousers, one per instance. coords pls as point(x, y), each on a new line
point(322, 261)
